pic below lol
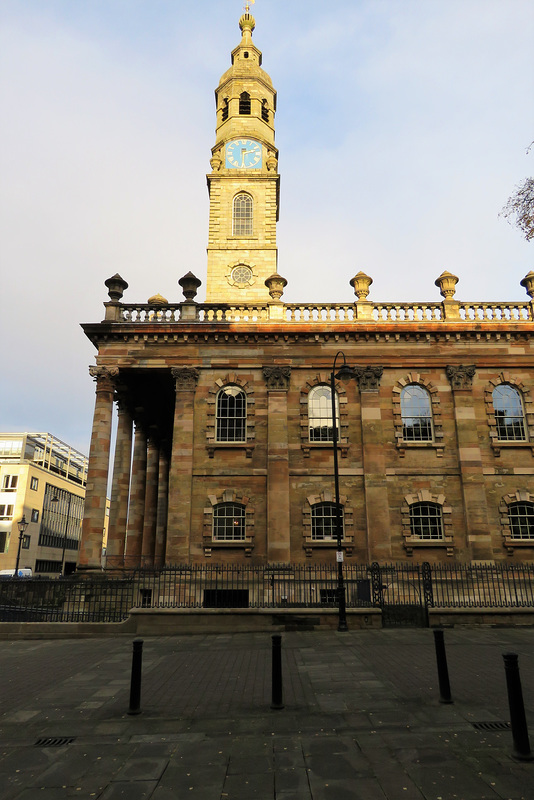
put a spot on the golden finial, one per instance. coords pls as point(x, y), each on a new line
point(247, 5)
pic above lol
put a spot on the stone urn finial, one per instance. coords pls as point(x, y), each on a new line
point(528, 283)
point(116, 287)
point(447, 284)
point(276, 284)
point(189, 284)
point(361, 283)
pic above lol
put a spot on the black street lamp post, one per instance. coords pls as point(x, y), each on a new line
point(344, 372)
point(22, 525)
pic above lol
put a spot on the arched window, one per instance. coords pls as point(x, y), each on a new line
point(231, 415)
point(244, 103)
point(416, 413)
point(521, 518)
point(324, 521)
point(320, 414)
point(228, 522)
point(509, 414)
point(225, 109)
point(264, 111)
point(242, 215)
point(426, 521)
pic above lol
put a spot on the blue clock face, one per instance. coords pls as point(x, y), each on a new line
point(243, 154)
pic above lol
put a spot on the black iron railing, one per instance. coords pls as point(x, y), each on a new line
point(386, 586)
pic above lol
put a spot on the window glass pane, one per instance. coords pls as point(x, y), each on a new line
point(320, 414)
point(242, 215)
point(521, 516)
point(231, 415)
point(229, 522)
point(426, 521)
point(509, 413)
point(324, 521)
point(416, 412)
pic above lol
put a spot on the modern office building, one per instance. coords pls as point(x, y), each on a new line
point(224, 435)
point(42, 480)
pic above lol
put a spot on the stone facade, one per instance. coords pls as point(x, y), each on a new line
point(222, 398)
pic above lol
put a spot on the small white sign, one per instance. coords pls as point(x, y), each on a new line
point(339, 555)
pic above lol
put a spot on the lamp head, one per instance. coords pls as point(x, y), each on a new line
point(22, 524)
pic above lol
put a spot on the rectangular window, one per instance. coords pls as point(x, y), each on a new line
point(10, 483)
point(6, 512)
point(26, 542)
point(35, 515)
point(3, 541)
point(34, 484)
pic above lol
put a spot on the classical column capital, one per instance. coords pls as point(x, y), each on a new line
point(104, 377)
point(368, 378)
point(277, 378)
point(186, 378)
point(461, 376)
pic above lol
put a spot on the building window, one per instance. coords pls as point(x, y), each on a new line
point(320, 414)
point(426, 521)
point(509, 414)
point(242, 215)
point(521, 516)
point(241, 276)
point(9, 483)
point(26, 539)
point(324, 522)
point(416, 412)
point(244, 103)
point(35, 515)
point(231, 414)
point(34, 484)
point(264, 111)
point(6, 511)
point(4, 541)
point(225, 109)
point(61, 519)
point(228, 522)
point(44, 566)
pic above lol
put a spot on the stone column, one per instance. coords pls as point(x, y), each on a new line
point(378, 533)
point(120, 489)
point(151, 502)
point(181, 467)
point(278, 506)
point(98, 468)
point(161, 513)
point(134, 534)
point(470, 461)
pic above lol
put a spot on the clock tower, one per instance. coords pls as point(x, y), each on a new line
point(244, 183)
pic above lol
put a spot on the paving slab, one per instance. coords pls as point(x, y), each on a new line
point(362, 718)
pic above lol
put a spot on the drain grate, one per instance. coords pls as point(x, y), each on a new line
point(491, 726)
point(54, 741)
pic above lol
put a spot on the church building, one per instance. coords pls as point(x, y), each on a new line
point(224, 448)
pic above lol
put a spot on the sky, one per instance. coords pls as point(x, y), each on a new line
point(402, 126)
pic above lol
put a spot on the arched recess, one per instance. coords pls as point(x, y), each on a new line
point(402, 444)
point(323, 379)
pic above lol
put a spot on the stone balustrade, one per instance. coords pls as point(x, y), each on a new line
point(322, 313)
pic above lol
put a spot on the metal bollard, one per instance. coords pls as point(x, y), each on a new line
point(276, 702)
point(518, 720)
point(443, 670)
point(135, 683)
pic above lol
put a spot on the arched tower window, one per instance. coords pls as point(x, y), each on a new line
point(244, 103)
point(242, 215)
point(509, 413)
point(228, 522)
point(264, 111)
point(416, 412)
point(320, 414)
point(231, 415)
point(225, 109)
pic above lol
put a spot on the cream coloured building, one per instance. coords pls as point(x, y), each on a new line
point(43, 480)
point(224, 443)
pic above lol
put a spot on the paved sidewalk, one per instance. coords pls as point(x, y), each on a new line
point(362, 718)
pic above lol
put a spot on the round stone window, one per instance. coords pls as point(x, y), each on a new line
point(241, 275)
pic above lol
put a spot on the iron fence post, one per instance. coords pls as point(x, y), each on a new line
point(518, 720)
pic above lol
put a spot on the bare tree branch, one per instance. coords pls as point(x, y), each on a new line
point(519, 208)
